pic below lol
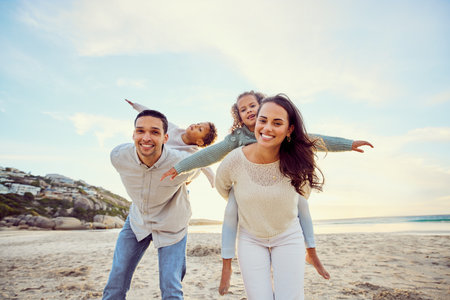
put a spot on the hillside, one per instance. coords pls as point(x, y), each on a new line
point(54, 196)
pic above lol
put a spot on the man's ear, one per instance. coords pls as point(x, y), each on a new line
point(166, 138)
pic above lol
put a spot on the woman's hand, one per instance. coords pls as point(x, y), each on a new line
point(357, 144)
point(172, 173)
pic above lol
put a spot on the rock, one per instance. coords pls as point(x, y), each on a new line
point(97, 225)
point(23, 226)
point(43, 222)
point(83, 202)
point(109, 221)
point(68, 223)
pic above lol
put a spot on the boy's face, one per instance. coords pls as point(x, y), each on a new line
point(196, 132)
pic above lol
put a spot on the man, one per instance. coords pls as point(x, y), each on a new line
point(196, 136)
point(160, 211)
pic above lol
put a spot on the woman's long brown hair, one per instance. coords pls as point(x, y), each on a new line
point(297, 157)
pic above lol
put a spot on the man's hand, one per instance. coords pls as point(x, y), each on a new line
point(172, 173)
point(357, 144)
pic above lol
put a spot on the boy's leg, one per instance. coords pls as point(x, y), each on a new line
point(172, 268)
point(229, 231)
point(127, 254)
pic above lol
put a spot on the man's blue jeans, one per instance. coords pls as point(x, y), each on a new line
point(128, 253)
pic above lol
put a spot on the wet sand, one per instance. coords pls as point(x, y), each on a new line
point(76, 264)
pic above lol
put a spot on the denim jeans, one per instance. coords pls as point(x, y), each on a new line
point(128, 253)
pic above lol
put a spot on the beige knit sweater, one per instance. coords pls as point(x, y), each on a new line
point(267, 202)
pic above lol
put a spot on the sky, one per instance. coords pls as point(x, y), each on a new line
point(364, 70)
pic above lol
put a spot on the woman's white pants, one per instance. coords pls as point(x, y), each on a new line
point(285, 253)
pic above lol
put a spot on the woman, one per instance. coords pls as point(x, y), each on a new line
point(267, 177)
point(242, 133)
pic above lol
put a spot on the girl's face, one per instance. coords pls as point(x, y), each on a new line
point(248, 107)
point(272, 125)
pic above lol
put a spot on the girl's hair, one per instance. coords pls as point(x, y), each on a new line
point(237, 121)
point(297, 155)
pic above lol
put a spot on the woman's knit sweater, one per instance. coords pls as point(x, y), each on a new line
point(267, 202)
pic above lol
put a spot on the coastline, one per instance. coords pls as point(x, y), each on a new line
point(76, 264)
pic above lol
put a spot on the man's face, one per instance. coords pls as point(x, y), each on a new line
point(197, 132)
point(149, 138)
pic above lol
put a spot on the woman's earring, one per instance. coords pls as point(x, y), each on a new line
point(288, 138)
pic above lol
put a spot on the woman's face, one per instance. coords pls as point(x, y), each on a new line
point(248, 107)
point(272, 125)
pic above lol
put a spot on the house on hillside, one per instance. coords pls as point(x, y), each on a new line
point(4, 189)
point(56, 178)
point(21, 189)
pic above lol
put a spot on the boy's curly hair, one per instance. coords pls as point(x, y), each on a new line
point(211, 136)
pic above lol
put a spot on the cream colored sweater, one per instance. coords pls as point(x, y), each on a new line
point(267, 202)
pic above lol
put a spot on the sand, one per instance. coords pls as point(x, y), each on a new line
point(76, 264)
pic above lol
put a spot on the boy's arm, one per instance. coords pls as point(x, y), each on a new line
point(137, 106)
point(209, 173)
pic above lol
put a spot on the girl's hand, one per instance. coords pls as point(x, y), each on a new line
point(172, 173)
point(357, 144)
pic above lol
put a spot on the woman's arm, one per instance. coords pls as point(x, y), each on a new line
point(223, 177)
point(229, 227)
point(306, 222)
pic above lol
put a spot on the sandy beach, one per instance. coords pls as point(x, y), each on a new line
point(75, 265)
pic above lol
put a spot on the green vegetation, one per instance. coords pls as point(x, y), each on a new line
point(13, 205)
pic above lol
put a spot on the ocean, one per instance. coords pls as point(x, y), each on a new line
point(431, 224)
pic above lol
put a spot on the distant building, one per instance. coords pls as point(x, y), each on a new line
point(4, 189)
point(21, 189)
point(59, 178)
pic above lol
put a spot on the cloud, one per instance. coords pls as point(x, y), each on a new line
point(440, 98)
point(301, 48)
point(102, 127)
point(428, 134)
point(127, 82)
point(27, 157)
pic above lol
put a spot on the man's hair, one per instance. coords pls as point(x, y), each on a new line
point(211, 136)
point(155, 114)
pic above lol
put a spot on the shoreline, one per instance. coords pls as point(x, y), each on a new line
point(53, 264)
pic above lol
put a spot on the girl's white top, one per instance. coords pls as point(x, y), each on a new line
point(267, 202)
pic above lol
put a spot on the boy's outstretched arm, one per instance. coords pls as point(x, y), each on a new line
point(137, 106)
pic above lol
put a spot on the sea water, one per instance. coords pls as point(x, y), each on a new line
point(431, 224)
